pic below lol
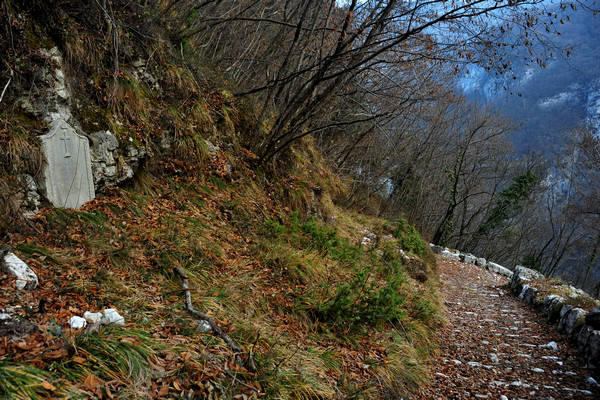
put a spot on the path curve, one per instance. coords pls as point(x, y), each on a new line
point(494, 345)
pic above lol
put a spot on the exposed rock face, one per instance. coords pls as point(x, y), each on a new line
point(74, 173)
point(50, 99)
point(13, 265)
point(109, 166)
point(31, 195)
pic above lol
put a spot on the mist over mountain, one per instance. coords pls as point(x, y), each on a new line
point(548, 102)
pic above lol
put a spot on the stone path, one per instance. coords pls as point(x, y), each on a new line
point(496, 347)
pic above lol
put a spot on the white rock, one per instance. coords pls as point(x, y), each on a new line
point(111, 316)
point(4, 316)
point(538, 370)
point(503, 397)
point(92, 317)
point(26, 278)
point(551, 346)
point(77, 322)
point(591, 381)
point(494, 358)
point(203, 326)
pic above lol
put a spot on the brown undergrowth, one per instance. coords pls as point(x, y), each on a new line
point(318, 315)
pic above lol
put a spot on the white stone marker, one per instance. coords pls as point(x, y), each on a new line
point(68, 175)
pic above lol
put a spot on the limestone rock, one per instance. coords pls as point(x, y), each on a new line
point(499, 269)
point(522, 275)
point(481, 262)
point(593, 318)
point(13, 265)
point(436, 249)
point(203, 326)
point(467, 258)
point(111, 316)
point(31, 196)
point(68, 181)
point(49, 98)
point(76, 322)
point(212, 149)
point(592, 350)
point(572, 320)
point(448, 254)
point(550, 346)
point(551, 307)
point(583, 336)
point(529, 295)
point(92, 317)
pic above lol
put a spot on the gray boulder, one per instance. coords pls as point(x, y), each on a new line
point(499, 269)
point(529, 295)
point(551, 306)
point(572, 320)
point(593, 318)
point(467, 258)
point(436, 249)
point(481, 262)
point(522, 275)
point(583, 336)
point(13, 265)
point(448, 254)
point(592, 350)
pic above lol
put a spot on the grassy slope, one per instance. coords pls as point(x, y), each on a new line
point(320, 316)
point(266, 275)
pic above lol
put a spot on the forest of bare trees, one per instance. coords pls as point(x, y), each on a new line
point(375, 83)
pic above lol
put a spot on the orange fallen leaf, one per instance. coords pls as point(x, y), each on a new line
point(91, 382)
point(78, 360)
point(48, 386)
point(164, 390)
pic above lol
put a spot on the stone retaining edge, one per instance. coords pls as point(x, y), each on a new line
point(582, 327)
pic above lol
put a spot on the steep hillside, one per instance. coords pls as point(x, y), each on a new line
point(233, 281)
point(549, 102)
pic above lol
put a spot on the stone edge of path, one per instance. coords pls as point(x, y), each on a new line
point(582, 327)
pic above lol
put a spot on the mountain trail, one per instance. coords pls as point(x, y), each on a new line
point(495, 346)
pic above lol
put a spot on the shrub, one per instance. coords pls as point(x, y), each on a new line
point(409, 238)
point(362, 300)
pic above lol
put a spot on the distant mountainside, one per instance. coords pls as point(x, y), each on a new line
point(547, 103)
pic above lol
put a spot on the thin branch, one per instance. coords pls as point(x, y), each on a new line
point(4, 90)
point(217, 331)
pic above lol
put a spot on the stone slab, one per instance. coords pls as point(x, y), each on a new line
point(68, 178)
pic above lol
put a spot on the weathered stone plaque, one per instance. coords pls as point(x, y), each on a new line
point(68, 174)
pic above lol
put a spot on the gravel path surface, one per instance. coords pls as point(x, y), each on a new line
point(495, 345)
